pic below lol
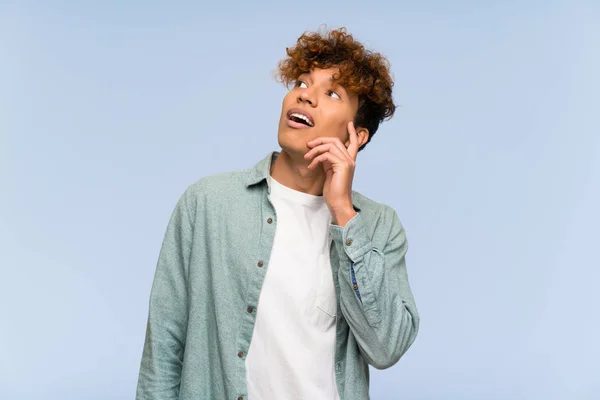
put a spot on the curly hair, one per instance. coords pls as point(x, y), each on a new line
point(361, 71)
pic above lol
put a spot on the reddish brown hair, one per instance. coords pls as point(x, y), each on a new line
point(360, 71)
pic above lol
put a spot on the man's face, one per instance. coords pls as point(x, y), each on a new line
point(315, 108)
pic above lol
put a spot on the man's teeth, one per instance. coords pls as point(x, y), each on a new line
point(302, 117)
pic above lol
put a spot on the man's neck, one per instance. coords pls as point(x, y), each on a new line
point(294, 173)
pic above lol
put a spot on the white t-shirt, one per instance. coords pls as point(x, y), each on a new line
point(291, 355)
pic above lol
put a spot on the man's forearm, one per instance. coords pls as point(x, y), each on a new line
point(378, 304)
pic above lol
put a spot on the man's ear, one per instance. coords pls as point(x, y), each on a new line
point(363, 136)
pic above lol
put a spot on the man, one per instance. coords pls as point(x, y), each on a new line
point(280, 281)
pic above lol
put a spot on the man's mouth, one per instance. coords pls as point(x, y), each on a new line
point(299, 119)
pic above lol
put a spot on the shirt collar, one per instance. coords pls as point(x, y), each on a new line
point(261, 171)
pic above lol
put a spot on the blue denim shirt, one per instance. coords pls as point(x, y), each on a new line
point(208, 278)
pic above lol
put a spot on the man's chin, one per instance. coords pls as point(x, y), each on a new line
point(293, 147)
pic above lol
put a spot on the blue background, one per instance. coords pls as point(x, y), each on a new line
point(109, 110)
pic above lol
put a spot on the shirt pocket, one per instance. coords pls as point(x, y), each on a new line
point(326, 299)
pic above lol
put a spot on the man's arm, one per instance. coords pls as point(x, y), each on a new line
point(162, 358)
point(375, 295)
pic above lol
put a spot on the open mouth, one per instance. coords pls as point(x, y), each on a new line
point(300, 118)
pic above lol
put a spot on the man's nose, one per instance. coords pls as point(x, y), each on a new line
point(307, 96)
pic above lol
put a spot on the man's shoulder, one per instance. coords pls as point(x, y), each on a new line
point(218, 187)
point(367, 204)
point(379, 218)
point(216, 183)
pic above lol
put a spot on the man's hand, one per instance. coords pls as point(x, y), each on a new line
point(338, 163)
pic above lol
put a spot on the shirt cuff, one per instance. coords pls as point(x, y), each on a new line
point(352, 240)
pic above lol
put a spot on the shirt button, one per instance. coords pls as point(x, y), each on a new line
point(260, 264)
point(348, 242)
point(241, 354)
point(269, 220)
point(250, 309)
point(355, 286)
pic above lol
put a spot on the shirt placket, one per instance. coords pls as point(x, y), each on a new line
point(259, 265)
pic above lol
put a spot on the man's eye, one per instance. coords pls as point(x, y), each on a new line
point(334, 94)
point(300, 83)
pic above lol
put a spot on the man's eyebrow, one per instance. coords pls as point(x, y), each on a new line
point(308, 75)
point(337, 85)
point(304, 75)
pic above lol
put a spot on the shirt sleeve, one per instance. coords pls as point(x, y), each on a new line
point(375, 295)
point(162, 357)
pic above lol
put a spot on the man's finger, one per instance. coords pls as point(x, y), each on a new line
point(333, 147)
point(333, 140)
point(353, 148)
point(325, 156)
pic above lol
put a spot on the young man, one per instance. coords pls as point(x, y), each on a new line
point(280, 281)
